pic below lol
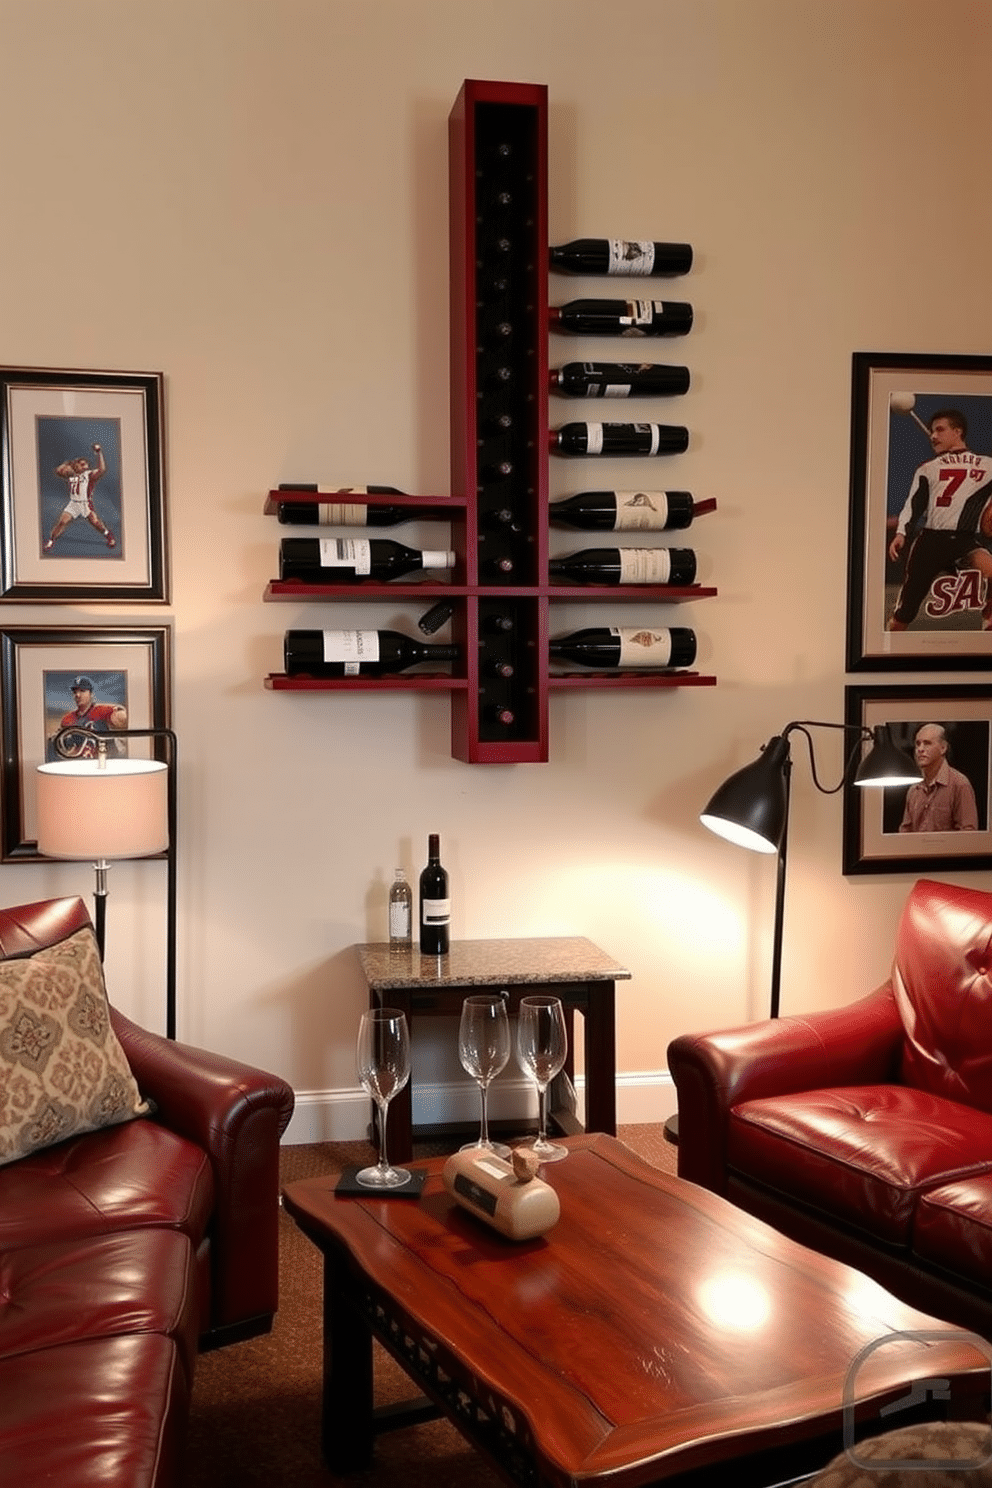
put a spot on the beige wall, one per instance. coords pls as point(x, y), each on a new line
point(250, 196)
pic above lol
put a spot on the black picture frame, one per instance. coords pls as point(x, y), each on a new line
point(82, 487)
point(130, 667)
point(874, 841)
point(890, 442)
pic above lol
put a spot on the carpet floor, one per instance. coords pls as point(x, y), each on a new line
point(255, 1417)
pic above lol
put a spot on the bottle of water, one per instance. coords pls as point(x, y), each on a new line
point(400, 913)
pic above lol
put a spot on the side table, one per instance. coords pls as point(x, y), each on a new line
point(570, 967)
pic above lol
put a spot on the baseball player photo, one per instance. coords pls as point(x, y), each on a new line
point(79, 467)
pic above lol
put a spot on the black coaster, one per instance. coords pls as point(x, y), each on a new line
point(348, 1185)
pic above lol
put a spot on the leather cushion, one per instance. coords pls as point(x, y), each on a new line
point(942, 979)
point(143, 1282)
point(98, 1412)
point(953, 1228)
point(862, 1153)
point(121, 1178)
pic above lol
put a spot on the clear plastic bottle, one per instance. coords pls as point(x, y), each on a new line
point(400, 913)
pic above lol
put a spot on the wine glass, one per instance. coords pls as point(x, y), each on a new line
point(384, 1069)
point(541, 1048)
point(484, 1049)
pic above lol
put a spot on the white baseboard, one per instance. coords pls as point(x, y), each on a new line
point(343, 1115)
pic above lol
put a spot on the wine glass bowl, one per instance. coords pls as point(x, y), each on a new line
point(484, 1050)
point(542, 1045)
point(384, 1069)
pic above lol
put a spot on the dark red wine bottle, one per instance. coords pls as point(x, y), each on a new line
point(626, 646)
point(341, 513)
point(622, 318)
point(357, 653)
point(339, 560)
point(435, 905)
point(618, 380)
point(623, 511)
point(619, 256)
point(672, 566)
point(618, 439)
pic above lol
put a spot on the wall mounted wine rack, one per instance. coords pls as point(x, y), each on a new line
point(498, 510)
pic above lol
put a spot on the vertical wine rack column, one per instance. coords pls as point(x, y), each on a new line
point(498, 153)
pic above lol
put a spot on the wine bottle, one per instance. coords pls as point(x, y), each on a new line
point(345, 560)
point(618, 439)
point(675, 566)
point(622, 318)
point(435, 905)
point(357, 653)
point(400, 913)
point(340, 513)
point(497, 714)
point(617, 256)
point(624, 511)
point(618, 380)
point(626, 646)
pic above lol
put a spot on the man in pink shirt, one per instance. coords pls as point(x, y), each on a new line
point(944, 801)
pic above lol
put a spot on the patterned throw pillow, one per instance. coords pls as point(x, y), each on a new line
point(62, 1069)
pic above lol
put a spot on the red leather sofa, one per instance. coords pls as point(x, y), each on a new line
point(125, 1250)
point(865, 1131)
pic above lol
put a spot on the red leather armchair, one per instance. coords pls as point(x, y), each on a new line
point(124, 1250)
point(865, 1131)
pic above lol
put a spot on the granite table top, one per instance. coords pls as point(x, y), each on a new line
point(488, 963)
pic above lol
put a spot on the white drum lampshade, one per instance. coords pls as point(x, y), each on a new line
point(87, 809)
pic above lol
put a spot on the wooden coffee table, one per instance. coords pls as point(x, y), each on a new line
point(655, 1331)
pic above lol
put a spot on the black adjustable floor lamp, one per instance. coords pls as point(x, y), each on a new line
point(751, 808)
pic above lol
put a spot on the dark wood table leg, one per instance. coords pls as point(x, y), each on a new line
point(601, 1059)
point(347, 1407)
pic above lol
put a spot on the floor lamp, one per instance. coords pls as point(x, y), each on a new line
point(106, 809)
point(751, 808)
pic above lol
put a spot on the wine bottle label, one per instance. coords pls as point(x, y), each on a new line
point(341, 514)
point(436, 558)
point(641, 511)
point(436, 911)
point(639, 313)
point(399, 920)
point(644, 565)
point(642, 647)
point(346, 552)
point(608, 390)
point(344, 490)
point(630, 258)
point(594, 439)
point(352, 647)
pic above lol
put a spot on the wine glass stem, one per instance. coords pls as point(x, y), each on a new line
point(383, 1108)
point(542, 1113)
point(484, 1132)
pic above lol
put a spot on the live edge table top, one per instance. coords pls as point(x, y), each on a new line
point(489, 963)
point(655, 1330)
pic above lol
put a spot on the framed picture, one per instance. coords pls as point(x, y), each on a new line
point(97, 678)
point(944, 824)
point(920, 542)
point(82, 486)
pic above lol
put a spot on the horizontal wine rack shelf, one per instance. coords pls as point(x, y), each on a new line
point(497, 156)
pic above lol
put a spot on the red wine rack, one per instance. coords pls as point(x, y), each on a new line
point(498, 510)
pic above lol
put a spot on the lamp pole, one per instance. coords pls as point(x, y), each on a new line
point(777, 933)
point(59, 741)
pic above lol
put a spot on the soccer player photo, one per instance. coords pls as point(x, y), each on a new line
point(921, 513)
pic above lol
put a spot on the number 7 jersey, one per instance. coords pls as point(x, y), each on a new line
point(949, 493)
